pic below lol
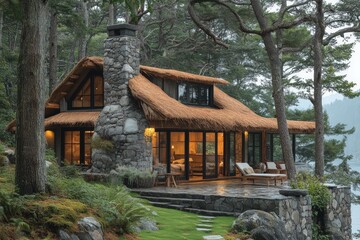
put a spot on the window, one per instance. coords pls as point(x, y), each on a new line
point(253, 149)
point(77, 147)
point(90, 94)
point(194, 94)
point(72, 147)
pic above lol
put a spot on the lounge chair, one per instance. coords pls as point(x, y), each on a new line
point(282, 167)
point(249, 174)
point(272, 168)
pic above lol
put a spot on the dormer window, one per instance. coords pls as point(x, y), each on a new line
point(195, 94)
point(90, 94)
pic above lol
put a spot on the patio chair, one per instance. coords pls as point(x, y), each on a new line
point(272, 168)
point(282, 168)
point(249, 174)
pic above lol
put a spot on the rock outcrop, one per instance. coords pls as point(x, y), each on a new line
point(261, 225)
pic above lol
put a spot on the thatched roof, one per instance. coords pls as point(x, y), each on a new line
point(74, 76)
point(230, 114)
point(72, 119)
point(179, 76)
point(88, 63)
point(161, 110)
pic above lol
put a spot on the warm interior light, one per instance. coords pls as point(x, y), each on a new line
point(172, 146)
point(246, 134)
point(148, 133)
point(50, 138)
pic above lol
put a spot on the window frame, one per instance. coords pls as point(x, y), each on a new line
point(89, 77)
point(197, 87)
point(82, 145)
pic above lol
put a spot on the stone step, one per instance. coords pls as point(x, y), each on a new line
point(154, 193)
point(206, 221)
point(207, 217)
point(176, 206)
point(204, 229)
point(160, 204)
point(197, 203)
point(213, 237)
point(210, 212)
point(201, 225)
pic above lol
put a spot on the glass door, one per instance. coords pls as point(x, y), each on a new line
point(210, 165)
point(196, 155)
point(177, 157)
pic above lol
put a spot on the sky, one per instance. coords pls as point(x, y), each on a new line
point(352, 74)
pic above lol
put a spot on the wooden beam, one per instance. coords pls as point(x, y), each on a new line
point(69, 83)
point(74, 76)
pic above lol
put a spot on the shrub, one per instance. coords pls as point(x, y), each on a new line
point(320, 198)
point(320, 194)
point(135, 178)
point(99, 143)
point(10, 206)
point(114, 205)
point(2, 149)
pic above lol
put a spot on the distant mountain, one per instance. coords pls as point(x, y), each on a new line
point(347, 111)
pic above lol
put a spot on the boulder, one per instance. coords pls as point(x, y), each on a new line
point(4, 161)
point(89, 229)
point(10, 154)
point(261, 225)
point(146, 224)
point(63, 235)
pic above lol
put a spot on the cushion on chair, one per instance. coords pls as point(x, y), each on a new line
point(249, 170)
point(271, 165)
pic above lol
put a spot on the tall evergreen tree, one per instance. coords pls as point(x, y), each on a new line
point(30, 140)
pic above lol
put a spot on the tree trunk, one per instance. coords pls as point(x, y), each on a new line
point(30, 140)
point(1, 29)
point(319, 119)
point(278, 91)
point(53, 51)
point(111, 14)
point(83, 38)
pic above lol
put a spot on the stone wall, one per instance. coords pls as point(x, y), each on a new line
point(297, 216)
point(338, 213)
point(121, 120)
point(294, 211)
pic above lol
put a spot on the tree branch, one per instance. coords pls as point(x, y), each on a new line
point(293, 6)
point(198, 23)
point(355, 28)
point(216, 39)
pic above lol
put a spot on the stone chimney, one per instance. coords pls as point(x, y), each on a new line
point(121, 121)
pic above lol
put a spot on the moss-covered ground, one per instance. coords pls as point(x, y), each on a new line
point(70, 198)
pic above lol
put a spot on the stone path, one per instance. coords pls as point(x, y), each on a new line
point(205, 225)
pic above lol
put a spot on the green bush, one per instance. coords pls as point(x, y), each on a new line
point(103, 144)
point(2, 149)
point(116, 208)
point(10, 206)
point(135, 178)
point(320, 198)
point(320, 194)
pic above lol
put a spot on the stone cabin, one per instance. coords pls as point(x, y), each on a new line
point(154, 116)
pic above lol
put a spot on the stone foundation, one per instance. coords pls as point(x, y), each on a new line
point(295, 211)
point(338, 213)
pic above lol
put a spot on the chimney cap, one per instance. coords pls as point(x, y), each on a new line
point(122, 30)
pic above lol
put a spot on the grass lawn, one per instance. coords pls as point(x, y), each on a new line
point(174, 224)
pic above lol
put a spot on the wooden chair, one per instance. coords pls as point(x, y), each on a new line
point(249, 174)
point(272, 168)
